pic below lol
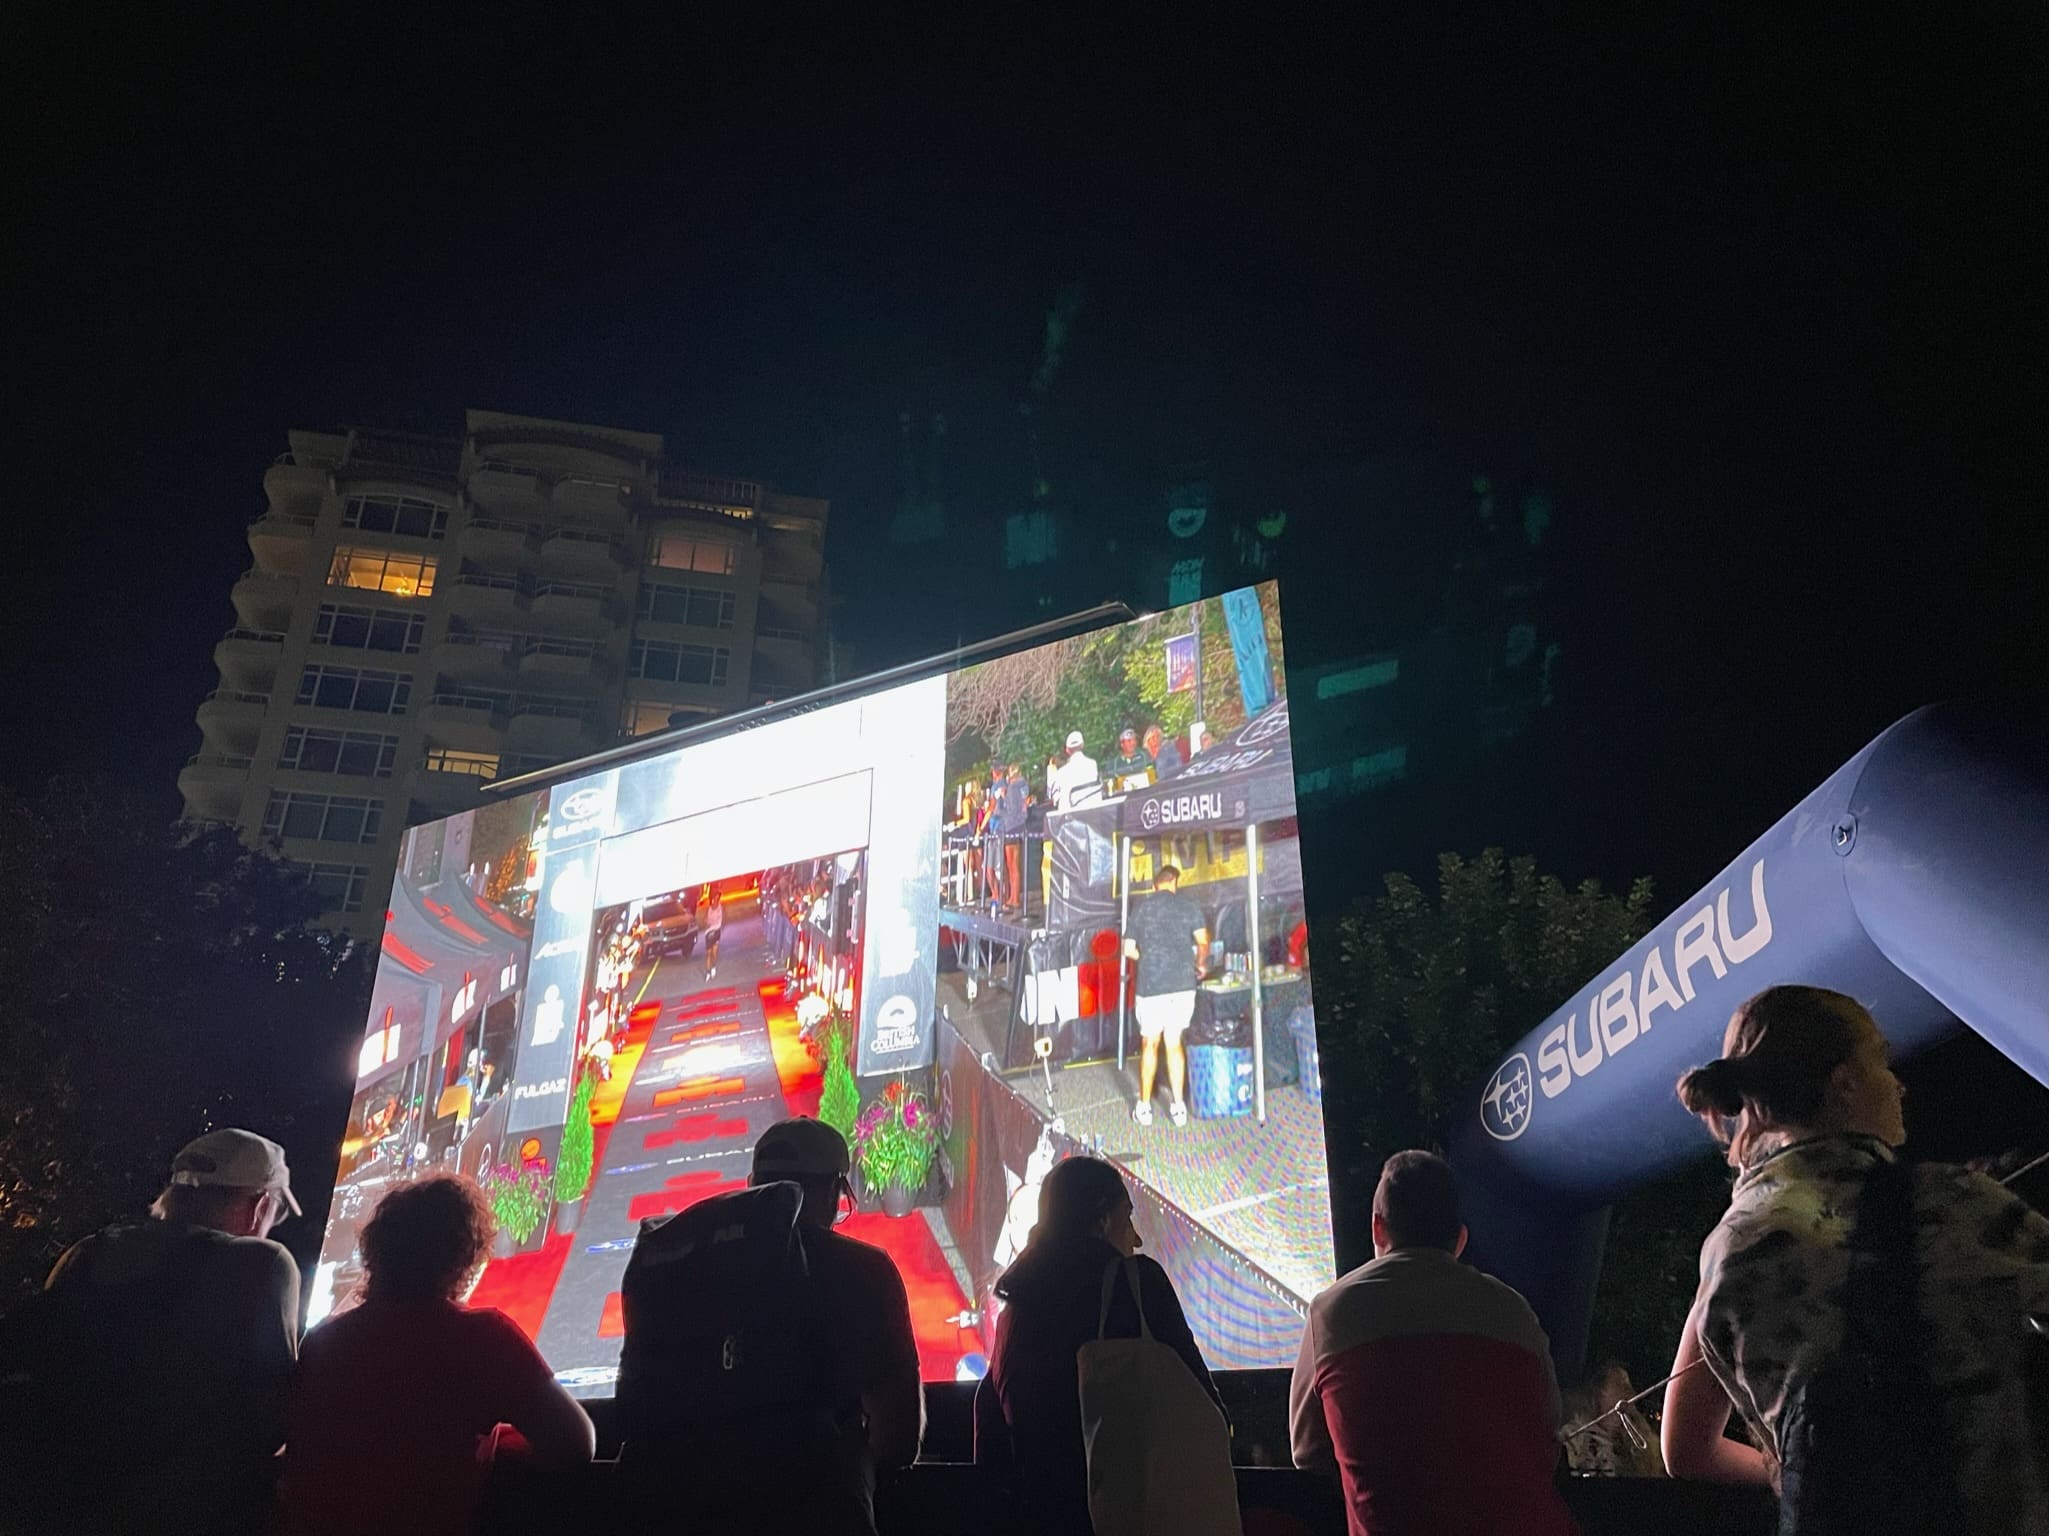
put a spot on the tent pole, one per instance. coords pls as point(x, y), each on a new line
point(1123, 925)
point(1253, 959)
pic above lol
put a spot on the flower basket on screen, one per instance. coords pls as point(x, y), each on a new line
point(895, 1140)
point(519, 1198)
point(573, 1162)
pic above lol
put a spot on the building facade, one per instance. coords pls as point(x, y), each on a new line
point(427, 614)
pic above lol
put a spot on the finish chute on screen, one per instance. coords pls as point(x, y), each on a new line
point(913, 914)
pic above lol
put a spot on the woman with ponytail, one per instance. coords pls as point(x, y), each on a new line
point(1866, 1318)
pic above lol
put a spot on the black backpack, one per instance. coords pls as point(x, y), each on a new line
point(726, 1341)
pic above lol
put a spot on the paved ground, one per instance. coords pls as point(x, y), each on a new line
point(705, 1088)
point(1263, 1189)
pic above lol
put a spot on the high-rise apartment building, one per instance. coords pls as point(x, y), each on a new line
point(426, 614)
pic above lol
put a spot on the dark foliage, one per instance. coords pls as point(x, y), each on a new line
point(161, 980)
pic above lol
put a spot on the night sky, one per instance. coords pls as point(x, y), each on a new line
point(1761, 301)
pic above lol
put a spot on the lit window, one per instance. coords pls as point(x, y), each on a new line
point(1029, 539)
point(351, 752)
point(705, 607)
point(359, 688)
point(641, 717)
point(482, 765)
point(323, 818)
point(339, 886)
point(660, 661)
point(382, 570)
point(408, 515)
point(1376, 674)
point(682, 552)
point(369, 629)
point(1380, 767)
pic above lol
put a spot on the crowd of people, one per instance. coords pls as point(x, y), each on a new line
point(1000, 824)
point(1865, 1321)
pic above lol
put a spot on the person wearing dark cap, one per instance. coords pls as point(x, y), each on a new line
point(168, 1344)
point(875, 1353)
point(819, 1362)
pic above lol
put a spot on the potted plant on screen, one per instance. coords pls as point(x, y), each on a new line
point(573, 1162)
point(839, 1101)
point(519, 1198)
point(895, 1139)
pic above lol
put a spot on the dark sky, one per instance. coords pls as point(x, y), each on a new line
point(1761, 298)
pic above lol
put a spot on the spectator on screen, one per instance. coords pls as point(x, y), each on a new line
point(398, 1401)
point(1425, 1385)
point(1028, 1406)
point(1132, 767)
point(1170, 940)
point(1869, 1318)
point(144, 1388)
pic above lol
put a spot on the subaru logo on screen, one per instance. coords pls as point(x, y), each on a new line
point(584, 804)
point(1505, 1104)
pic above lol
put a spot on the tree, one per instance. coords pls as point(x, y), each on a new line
point(160, 981)
point(1419, 995)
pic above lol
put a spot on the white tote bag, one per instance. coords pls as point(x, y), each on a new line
point(1159, 1452)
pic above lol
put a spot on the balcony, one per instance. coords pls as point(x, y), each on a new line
point(581, 605)
point(280, 540)
point(592, 494)
point(264, 599)
point(231, 717)
point(488, 595)
point(499, 541)
point(476, 658)
point(213, 784)
point(548, 725)
point(550, 661)
point(248, 658)
point(583, 552)
point(468, 722)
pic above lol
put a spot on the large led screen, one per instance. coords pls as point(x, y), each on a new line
point(913, 914)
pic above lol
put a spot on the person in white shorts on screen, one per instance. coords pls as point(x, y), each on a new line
point(1170, 939)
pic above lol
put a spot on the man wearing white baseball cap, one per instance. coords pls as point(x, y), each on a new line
point(174, 1340)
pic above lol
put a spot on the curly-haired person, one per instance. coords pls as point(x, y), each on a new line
point(396, 1399)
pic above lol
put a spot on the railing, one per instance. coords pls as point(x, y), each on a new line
point(682, 486)
point(550, 647)
point(494, 703)
point(266, 636)
point(507, 467)
point(583, 536)
point(294, 520)
point(258, 573)
point(551, 708)
point(586, 589)
point(235, 696)
point(218, 760)
point(776, 632)
point(509, 645)
point(492, 580)
point(506, 525)
point(290, 460)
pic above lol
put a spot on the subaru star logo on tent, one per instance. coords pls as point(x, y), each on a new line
point(1505, 1103)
